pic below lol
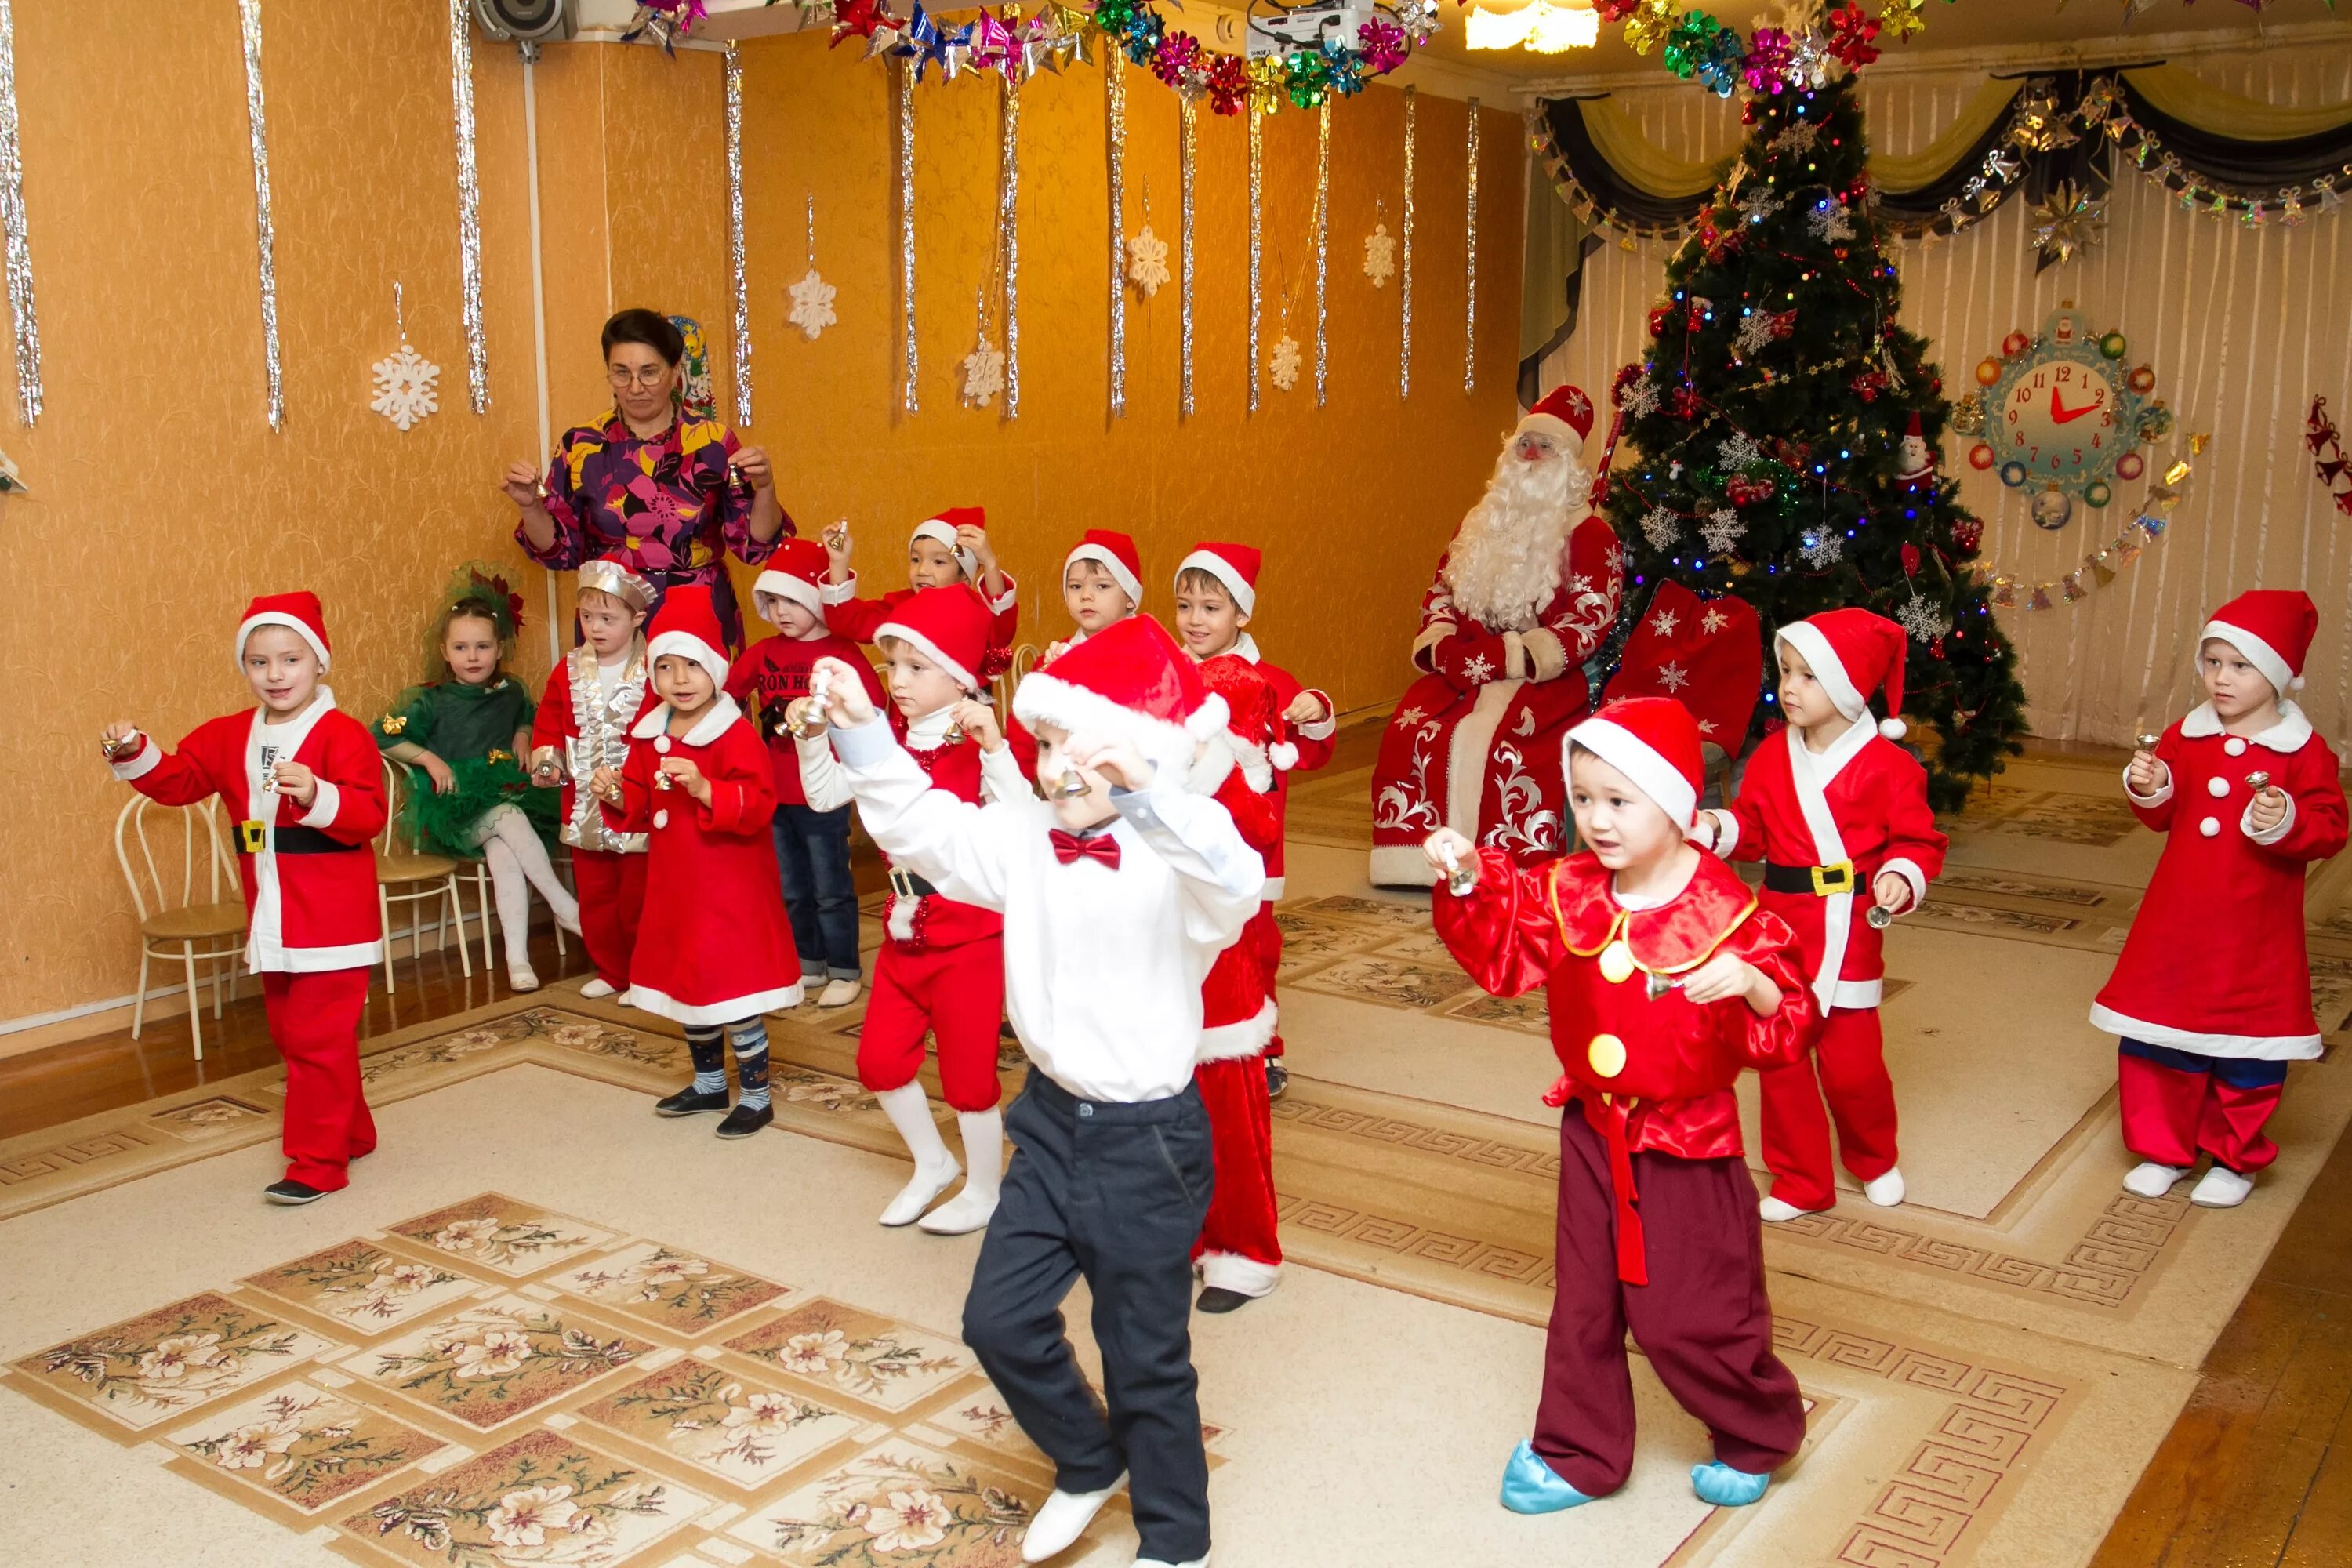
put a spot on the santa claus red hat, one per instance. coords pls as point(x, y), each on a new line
point(1117, 554)
point(948, 626)
point(1853, 654)
point(943, 528)
point(298, 613)
point(2273, 627)
point(686, 625)
point(1234, 565)
point(1251, 719)
point(1565, 414)
point(1653, 741)
point(1129, 682)
point(614, 575)
point(796, 571)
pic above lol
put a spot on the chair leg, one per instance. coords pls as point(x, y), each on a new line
point(139, 1000)
point(416, 933)
point(217, 984)
point(383, 924)
point(457, 919)
point(196, 1000)
point(482, 900)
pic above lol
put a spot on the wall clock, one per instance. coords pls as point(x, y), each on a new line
point(2058, 412)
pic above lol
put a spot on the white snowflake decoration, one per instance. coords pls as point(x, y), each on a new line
point(1380, 256)
point(1480, 669)
point(1722, 529)
point(405, 387)
point(1147, 261)
point(812, 304)
point(1665, 622)
point(984, 375)
point(1712, 622)
point(1799, 137)
point(1640, 399)
point(1673, 677)
point(1755, 331)
point(1830, 221)
point(1759, 203)
point(1739, 451)
point(1922, 619)
point(1283, 364)
point(1820, 549)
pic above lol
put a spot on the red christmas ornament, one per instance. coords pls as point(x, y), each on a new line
point(1696, 312)
point(1910, 560)
point(1936, 648)
point(1658, 319)
point(1682, 402)
point(1980, 457)
point(1968, 533)
point(2015, 345)
point(1744, 491)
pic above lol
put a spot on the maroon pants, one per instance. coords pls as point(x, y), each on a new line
point(612, 890)
point(957, 995)
point(1239, 1248)
point(314, 1019)
point(1852, 1060)
point(1703, 1320)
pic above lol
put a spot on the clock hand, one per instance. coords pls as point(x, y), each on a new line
point(2066, 416)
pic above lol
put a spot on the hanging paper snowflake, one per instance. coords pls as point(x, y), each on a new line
point(1663, 527)
point(1380, 256)
point(1799, 137)
point(812, 310)
point(1722, 529)
point(1828, 220)
point(1760, 204)
point(1283, 364)
point(1740, 450)
point(1820, 549)
point(1147, 261)
point(1923, 618)
point(1755, 331)
point(984, 375)
point(1640, 399)
point(405, 387)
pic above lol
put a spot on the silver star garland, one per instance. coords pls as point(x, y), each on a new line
point(1188, 116)
point(908, 396)
point(1115, 91)
point(21, 314)
point(1404, 270)
point(731, 68)
point(1322, 248)
point(1470, 262)
point(1008, 221)
point(1257, 246)
point(248, 16)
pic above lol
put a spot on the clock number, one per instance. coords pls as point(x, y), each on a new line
point(2065, 372)
point(2078, 456)
point(2012, 414)
point(2096, 442)
point(2034, 454)
point(2041, 379)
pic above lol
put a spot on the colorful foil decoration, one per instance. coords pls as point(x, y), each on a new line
point(1384, 45)
point(909, 397)
point(1322, 249)
point(1256, 243)
point(248, 16)
point(1115, 93)
point(1470, 262)
point(1405, 263)
point(27, 323)
point(1008, 225)
point(732, 66)
point(1188, 117)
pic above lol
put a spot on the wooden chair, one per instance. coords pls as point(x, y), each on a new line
point(178, 925)
point(1025, 658)
point(408, 876)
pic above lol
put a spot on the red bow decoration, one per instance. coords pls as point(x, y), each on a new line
point(1850, 36)
point(497, 587)
point(1744, 491)
point(858, 19)
point(1070, 846)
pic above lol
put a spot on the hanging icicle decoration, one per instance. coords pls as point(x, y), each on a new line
point(1256, 248)
point(1008, 224)
point(19, 248)
point(1404, 274)
point(731, 65)
point(909, 397)
point(1188, 117)
point(470, 205)
point(248, 16)
point(1322, 247)
point(1470, 263)
point(1115, 87)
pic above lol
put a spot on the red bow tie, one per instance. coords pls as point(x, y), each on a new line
point(1069, 847)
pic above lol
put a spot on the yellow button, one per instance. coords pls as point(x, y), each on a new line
point(1616, 963)
point(1607, 1055)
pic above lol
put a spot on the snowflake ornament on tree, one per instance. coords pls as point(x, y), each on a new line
point(1663, 528)
point(1147, 261)
point(1283, 363)
point(1380, 256)
point(1819, 549)
point(1755, 331)
point(1722, 529)
point(1640, 398)
point(1828, 220)
point(405, 387)
point(812, 310)
point(1923, 618)
point(1740, 451)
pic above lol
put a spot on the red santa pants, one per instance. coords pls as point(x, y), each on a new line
point(1238, 1249)
point(1703, 1321)
point(2177, 1103)
point(1267, 932)
point(611, 890)
point(1853, 1078)
point(955, 992)
point(314, 1020)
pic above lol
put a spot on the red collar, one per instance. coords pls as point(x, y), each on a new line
point(1678, 935)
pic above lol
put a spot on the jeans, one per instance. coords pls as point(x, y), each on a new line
point(812, 856)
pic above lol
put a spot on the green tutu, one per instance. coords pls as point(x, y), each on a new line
point(455, 824)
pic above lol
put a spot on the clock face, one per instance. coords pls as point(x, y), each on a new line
point(2060, 420)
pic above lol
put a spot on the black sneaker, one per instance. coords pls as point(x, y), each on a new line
point(746, 1120)
point(692, 1102)
point(1217, 1298)
point(292, 1194)
point(1277, 1078)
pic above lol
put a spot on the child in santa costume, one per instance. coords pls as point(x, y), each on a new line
point(942, 967)
point(1216, 595)
point(1118, 894)
point(592, 698)
point(953, 547)
point(1838, 813)
point(1664, 979)
point(1102, 582)
point(2213, 995)
point(812, 844)
point(714, 951)
point(303, 780)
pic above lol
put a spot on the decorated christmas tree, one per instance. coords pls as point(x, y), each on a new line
point(1784, 430)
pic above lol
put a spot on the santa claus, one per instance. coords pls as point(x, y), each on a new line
point(1523, 596)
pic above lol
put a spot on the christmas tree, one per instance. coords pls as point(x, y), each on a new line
point(1783, 426)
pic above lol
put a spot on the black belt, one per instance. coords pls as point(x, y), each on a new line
point(292, 839)
point(906, 885)
point(1823, 881)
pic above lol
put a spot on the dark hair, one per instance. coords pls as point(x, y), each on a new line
point(651, 328)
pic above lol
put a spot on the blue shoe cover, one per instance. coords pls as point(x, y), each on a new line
point(1719, 1483)
point(1530, 1486)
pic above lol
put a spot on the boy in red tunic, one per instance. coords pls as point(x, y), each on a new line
point(713, 950)
point(305, 780)
point(2213, 995)
point(1664, 979)
point(951, 548)
point(1838, 813)
point(942, 967)
point(1216, 595)
point(583, 723)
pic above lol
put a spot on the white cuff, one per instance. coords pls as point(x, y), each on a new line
point(863, 746)
point(838, 593)
point(1515, 657)
point(2285, 823)
point(1326, 727)
point(1910, 872)
point(145, 760)
point(1007, 599)
point(2159, 798)
point(1547, 655)
point(1727, 830)
point(1436, 632)
point(323, 805)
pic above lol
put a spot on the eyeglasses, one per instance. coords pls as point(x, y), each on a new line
point(648, 375)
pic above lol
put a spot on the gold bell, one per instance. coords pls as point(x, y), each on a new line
point(1617, 963)
point(1607, 1055)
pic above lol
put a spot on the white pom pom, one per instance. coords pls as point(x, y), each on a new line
point(1283, 755)
point(1891, 728)
point(2296, 684)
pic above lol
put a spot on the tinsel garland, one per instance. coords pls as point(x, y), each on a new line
point(1256, 244)
point(908, 395)
point(469, 205)
point(1115, 94)
point(1322, 248)
point(1470, 260)
point(26, 324)
point(1404, 272)
point(248, 16)
point(731, 68)
point(1189, 117)
point(1008, 222)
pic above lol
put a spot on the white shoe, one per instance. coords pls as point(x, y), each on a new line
point(521, 977)
point(1775, 1212)
point(1885, 1191)
point(1061, 1518)
point(983, 1158)
point(961, 1215)
point(596, 988)
point(2221, 1188)
point(920, 1193)
point(627, 999)
point(2152, 1180)
point(840, 992)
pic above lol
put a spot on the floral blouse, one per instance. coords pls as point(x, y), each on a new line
point(667, 503)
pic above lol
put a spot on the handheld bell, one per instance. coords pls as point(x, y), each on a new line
point(2258, 781)
point(1657, 985)
point(1069, 787)
point(1459, 879)
point(812, 722)
point(2148, 743)
point(663, 779)
point(1878, 917)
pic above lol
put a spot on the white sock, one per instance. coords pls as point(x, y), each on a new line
point(983, 1158)
point(513, 829)
point(512, 893)
point(935, 1168)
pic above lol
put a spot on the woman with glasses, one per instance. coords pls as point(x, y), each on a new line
point(656, 479)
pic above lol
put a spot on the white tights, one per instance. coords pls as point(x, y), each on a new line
point(517, 863)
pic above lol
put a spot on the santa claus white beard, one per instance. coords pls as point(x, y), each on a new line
point(1505, 563)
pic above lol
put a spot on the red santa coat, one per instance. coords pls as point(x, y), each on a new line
point(847, 614)
point(1313, 743)
point(588, 730)
point(1476, 743)
point(1863, 804)
point(309, 874)
point(2215, 963)
point(1655, 1075)
point(713, 945)
point(1237, 1007)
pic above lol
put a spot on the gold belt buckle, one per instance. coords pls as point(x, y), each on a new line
point(1831, 881)
point(253, 836)
point(902, 884)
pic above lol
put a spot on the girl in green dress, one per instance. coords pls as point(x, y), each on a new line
point(465, 732)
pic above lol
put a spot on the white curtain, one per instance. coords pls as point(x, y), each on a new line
point(2241, 326)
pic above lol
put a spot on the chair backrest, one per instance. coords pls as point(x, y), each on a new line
point(1024, 659)
point(144, 826)
point(397, 777)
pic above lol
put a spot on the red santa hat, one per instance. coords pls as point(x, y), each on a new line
point(796, 571)
point(686, 625)
point(2273, 627)
point(615, 574)
point(1116, 553)
point(1653, 741)
point(1129, 682)
point(1252, 722)
point(1565, 414)
point(943, 528)
point(1234, 565)
point(950, 626)
point(298, 612)
point(1853, 654)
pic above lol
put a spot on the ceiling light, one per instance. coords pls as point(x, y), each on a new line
point(1542, 28)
